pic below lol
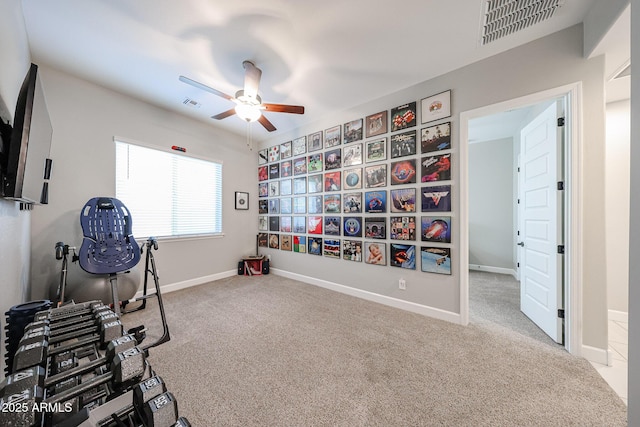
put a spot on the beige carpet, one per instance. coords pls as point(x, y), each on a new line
point(269, 351)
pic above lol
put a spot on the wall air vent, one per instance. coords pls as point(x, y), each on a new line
point(505, 17)
point(191, 103)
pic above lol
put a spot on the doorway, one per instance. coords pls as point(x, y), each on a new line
point(571, 223)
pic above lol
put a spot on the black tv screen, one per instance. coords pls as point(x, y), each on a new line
point(26, 164)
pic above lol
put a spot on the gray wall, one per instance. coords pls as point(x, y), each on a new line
point(491, 204)
point(617, 203)
point(85, 118)
point(15, 245)
point(550, 62)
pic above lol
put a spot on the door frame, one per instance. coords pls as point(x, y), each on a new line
point(573, 218)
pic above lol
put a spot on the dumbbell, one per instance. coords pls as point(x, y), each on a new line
point(126, 366)
point(34, 376)
point(37, 347)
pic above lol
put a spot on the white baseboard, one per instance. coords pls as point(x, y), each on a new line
point(370, 296)
point(597, 355)
point(619, 316)
point(498, 270)
point(186, 283)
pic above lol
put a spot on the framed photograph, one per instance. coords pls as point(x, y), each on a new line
point(263, 240)
point(352, 226)
point(375, 201)
point(375, 253)
point(286, 206)
point(314, 204)
point(285, 150)
point(300, 205)
point(435, 260)
point(352, 203)
point(376, 124)
point(274, 153)
point(403, 116)
point(331, 248)
point(274, 171)
point(332, 159)
point(263, 173)
point(376, 150)
point(299, 224)
point(274, 188)
point(352, 155)
point(274, 207)
point(263, 223)
point(436, 168)
point(403, 172)
point(300, 185)
point(436, 199)
point(402, 228)
point(300, 166)
point(332, 137)
point(436, 107)
point(314, 141)
point(352, 131)
point(314, 224)
point(263, 189)
point(352, 250)
point(300, 244)
point(403, 144)
point(314, 245)
point(299, 146)
point(314, 163)
point(436, 229)
point(436, 138)
point(285, 242)
point(274, 241)
point(242, 201)
point(315, 183)
point(263, 156)
point(286, 187)
point(403, 256)
point(403, 200)
point(263, 206)
point(274, 223)
point(285, 224)
point(352, 179)
point(286, 169)
point(332, 203)
point(375, 228)
point(332, 225)
point(332, 181)
point(375, 176)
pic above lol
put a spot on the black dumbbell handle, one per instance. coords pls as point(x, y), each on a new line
point(78, 370)
point(79, 389)
point(72, 346)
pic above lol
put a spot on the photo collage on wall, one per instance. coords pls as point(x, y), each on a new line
point(367, 190)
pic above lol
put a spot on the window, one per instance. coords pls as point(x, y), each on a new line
point(168, 194)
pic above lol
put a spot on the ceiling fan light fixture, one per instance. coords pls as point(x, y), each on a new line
point(248, 112)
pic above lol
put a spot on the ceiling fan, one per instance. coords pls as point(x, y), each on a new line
point(249, 105)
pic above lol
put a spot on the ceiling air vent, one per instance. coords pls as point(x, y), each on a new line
point(505, 17)
point(191, 103)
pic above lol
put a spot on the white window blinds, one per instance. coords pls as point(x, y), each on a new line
point(168, 194)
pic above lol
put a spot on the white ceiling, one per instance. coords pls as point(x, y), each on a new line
point(328, 56)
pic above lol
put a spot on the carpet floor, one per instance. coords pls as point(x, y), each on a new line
point(270, 351)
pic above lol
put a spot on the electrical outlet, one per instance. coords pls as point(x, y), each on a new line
point(402, 284)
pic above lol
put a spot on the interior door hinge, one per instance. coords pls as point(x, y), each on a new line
point(560, 185)
point(561, 313)
point(561, 249)
point(560, 121)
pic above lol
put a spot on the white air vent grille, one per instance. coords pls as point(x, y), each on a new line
point(504, 17)
point(191, 103)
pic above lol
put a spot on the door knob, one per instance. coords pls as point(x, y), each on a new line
point(521, 244)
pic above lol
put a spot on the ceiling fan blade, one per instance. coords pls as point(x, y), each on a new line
point(205, 88)
point(282, 108)
point(252, 76)
point(224, 114)
point(266, 123)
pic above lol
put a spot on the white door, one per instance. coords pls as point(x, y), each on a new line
point(541, 223)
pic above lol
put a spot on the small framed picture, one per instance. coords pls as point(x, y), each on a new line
point(403, 256)
point(436, 168)
point(436, 138)
point(299, 145)
point(435, 260)
point(375, 176)
point(314, 141)
point(274, 153)
point(403, 116)
point(352, 131)
point(375, 228)
point(352, 203)
point(285, 150)
point(436, 107)
point(402, 228)
point(332, 159)
point(352, 250)
point(331, 248)
point(403, 172)
point(375, 253)
point(352, 179)
point(263, 156)
point(376, 150)
point(376, 124)
point(332, 137)
point(242, 201)
point(403, 144)
point(436, 229)
point(352, 155)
